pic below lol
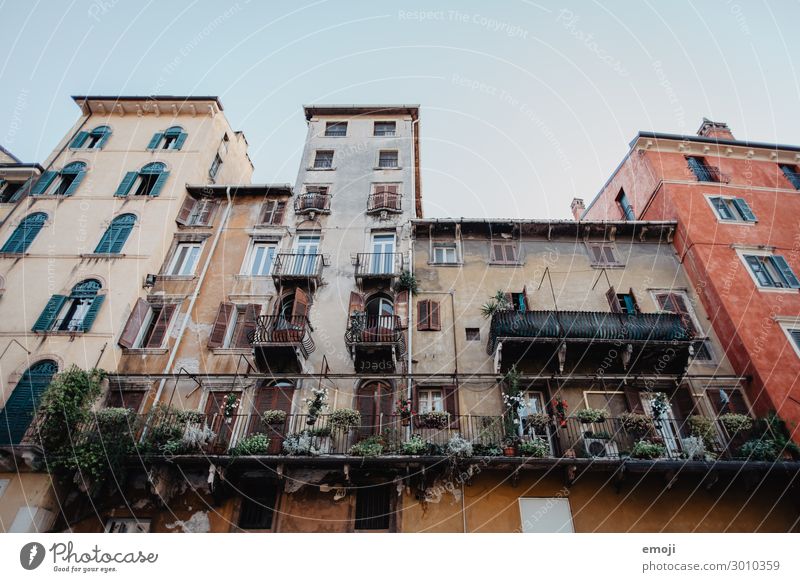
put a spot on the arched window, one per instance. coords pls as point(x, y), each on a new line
point(146, 182)
point(24, 234)
point(63, 183)
point(21, 406)
point(171, 139)
point(74, 313)
point(91, 140)
point(116, 234)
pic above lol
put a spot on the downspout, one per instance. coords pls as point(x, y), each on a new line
point(195, 293)
point(410, 315)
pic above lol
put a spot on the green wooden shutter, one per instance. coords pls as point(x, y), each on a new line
point(16, 416)
point(75, 183)
point(785, 270)
point(156, 189)
point(104, 246)
point(180, 140)
point(125, 186)
point(102, 141)
point(79, 139)
point(91, 313)
point(18, 194)
point(44, 182)
point(744, 209)
point(51, 311)
point(155, 141)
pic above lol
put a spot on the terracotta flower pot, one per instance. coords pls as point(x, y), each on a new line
point(510, 451)
point(406, 421)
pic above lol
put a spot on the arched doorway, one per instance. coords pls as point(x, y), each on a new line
point(16, 416)
point(375, 402)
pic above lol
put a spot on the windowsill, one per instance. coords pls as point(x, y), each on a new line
point(49, 196)
point(231, 351)
point(85, 149)
point(313, 169)
point(384, 136)
point(326, 135)
point(246, 277)
point(63, 332)
point(145, 351)
point(103, 255)
point(515, 264)
point(388, 168)
point(159, 150)
point(737, 222)
point(777, 289)
point(607, 266)
point(175, 277)
point(12, 255)
point(432, 264)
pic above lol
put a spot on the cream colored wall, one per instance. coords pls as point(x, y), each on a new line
point(25, 490)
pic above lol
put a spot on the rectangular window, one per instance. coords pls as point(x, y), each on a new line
point(388, 159)
point(323, 159)
point(445, 253)
point(430, 400)
point(625, 206)
point(373, 507)
point(201, 212)
point(473, 334)
point(791, 173)
point(261, 256)
point(732, 209)
point(793, 333)
point(259, 498)
point(627, 303)
point(545, 515)
point(127, 525)
point(184, 259)
point(678, 302)
point(154, 326)
point(504, 253)
point(603, 255)
point(725, 400)
point(428, 315)
point(385, 128)
point(215, 165)
point(336, 129)
point(272, 212)
point(702, 171)
point(772, 271)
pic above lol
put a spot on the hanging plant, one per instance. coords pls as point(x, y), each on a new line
point(407, 282)
point(660, 405)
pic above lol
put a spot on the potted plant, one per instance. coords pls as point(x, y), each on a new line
point(539, 421)
point(322, 439)
point(590, 415)
point(316, 404)
point(300, 444)
point(345, 419)
point(638, 425)
point(437, 419)
point(647, 450)
point(536, 447)
point(510, 447)
point(458, 446)
point(255, 444)
point(271, 417)
point(369, 447)
point(403, 410)
point(230, 406)
point(702, 427)
point(414, 446)
point(736, 423)
point(497, 303)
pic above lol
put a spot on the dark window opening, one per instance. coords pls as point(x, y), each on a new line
point(473, 334)
point(146, 183)
point(388, 159)
point(336, 129)
point(258, 504)
point(627, 303)
point(384, 128)
point(373, 508)
point(9, 191)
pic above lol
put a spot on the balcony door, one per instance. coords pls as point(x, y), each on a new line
point(665, 426)
point(383, 249)
point(215, 415)
point(306, 252)
point(273, 396)
point(375, 402)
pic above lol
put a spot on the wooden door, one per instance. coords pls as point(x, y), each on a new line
point(273, 397)
point(375, 402)
point(216, 419)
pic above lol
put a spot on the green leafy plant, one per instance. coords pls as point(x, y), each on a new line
point(255, 444)
point(637, 424)
point(345, 419)
point(736, 423)
point(458, 446)
point(536, 447)
point(300, 444)
point(195, 438)
point(407, 281)
point(588, 415)
point(694, 448)
point(435, 419)
point(497, 303)
point(369, 447)
point(703, 427)
point(486, 450)
point(273, 417)
point(643, 449)
point(760, 450)
point(414, 446)
point(660, 405)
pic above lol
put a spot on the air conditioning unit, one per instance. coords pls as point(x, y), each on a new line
point(150, 280)
point(601, 448)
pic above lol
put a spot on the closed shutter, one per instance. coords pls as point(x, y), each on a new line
point(785, 270)
point(356, 303)
point(186, 210)
point(595, 254)
point(19, 409)
point(159, 183)
point(434, 318)
point(277, 217)
point(130, 399)
point(181, 140)
point(79, 139)
point(102, 141)
point(244, 336)
point(126, 184)
point(217, 336)
point(401, 308)
point(91, 313)
point(613, 300)
point(76, 181)
point(300, 306)
point(44, 182)
point(207, 213)
point(160, 328)
point(21, 191)
point(423, 315)
point(50, 312)
point(272, 212)
point(744, 209)
point(154, 141)
point(134, 324)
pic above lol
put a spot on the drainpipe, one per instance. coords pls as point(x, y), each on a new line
point(195, 293)
point(410, 314)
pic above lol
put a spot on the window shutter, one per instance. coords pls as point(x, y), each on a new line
point(22, 190)
point(104, 246)
point(450, 396)
point(155, 141)
point(595, 253)
point(160, 328)
point(25, 233)
point(76, 181)
point(79, 139)
point(245, 335)
point(356, 303)
point(683, 403)
point(401, 308)
point(633, 400)
point(207, 215)
point(511, 252)
point(44, 182)
point(634, 303)
point(435, 322)
point(217, 336)
point(785, 270)
point(608, 254)
point(91, 313)
point(134, 324)
point(102, 141)
point(180, 140)
point(423, 310)
point(156, 189)
point(795, 333)
point(497, 253)
point(613, 300)
point(125, 186)
point(50, 312)
point(277, 217)
point(186, 209)
point(744, 209)
point(301, 302)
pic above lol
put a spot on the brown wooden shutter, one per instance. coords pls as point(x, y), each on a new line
point(423, 315)
point(450, 397)
point(497, 252)
point(356, 303)
point(160, 328)
point(131, 399)
point(248, 328)
point(613, 300)
point(300, 307)
point(595, 253)
point(267, 211)
point(633, 400)
point(186, 210)
point(682, 403)
point(682, 309)
point(510, 252)
point(401, 308)
point(365, 404)
point(608, 254)
point(217, 336)
point(280, 208)
point(209, 211)
point(415, 404)
point(435, 320)
point(134, 323)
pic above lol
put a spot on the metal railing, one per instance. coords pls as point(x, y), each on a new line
point(710, 174)
point(315, 201)
point(378, 265)
point(297, 266)
point(375, 329)
point(280, 329)
point(390, 201)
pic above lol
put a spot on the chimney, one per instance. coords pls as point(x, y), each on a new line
point(577, 207)
point(715, 129)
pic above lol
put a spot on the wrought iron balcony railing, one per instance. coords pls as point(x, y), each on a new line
point(297, 266)
point(375, 329)
point(389, 201)
point(710, 174)
point(378, 265)
point(312, 202)
point(280, 329)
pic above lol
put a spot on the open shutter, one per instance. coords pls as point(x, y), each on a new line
point(450, 396)
point(401, 308)
point(280, 208)
point(76, 181)
point(102, 141)
point(785, 270)
point(525, 300)
point(633, 400)
point(248, 330)
point(682, 403)
point(134, 324)
point(356, 303)
point(125, 186)
point(186, 210)
point(435, 321)
point(300, 307)
point(423, 315)
point(91, 313)
point(154, 141)
point(181, 139)
point(267, 211)
point(21, 191)
point(613, 300)
point(744, 209)
point(50, 312)
point(156, 189)
point(119, 234)
point(79, 139)
point(44, 182)
point(160, 328)
point(207, 213)
point(217, 336)
point(104, 246)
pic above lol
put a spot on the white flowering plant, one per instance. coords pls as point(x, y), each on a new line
point(300, 444)
point(318, 401)
point(458, 446)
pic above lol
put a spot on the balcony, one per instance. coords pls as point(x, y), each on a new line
point(378, 266)
point(312, 203)
point(282, 343)
point(289, 267)
point(711, 174)
point(388, 202)
point(376, 342)
point(552, 341)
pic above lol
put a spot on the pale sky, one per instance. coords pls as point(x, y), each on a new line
point(525, 105)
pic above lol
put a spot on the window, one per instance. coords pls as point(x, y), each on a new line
point(732, 209)
point(63, 183)
point(428, 315)
point(793, 333)
point(234, 325)
point(130, 399)
point(385, 128)
point(545, 515)
point(473, 334)
point(197, 212)
point(384, 197)
point(184, 259)
point(771, 271)
point(147, 325)
point(10, 191)
point(625, 206)
point(603, 255)
point(445, 253)
point(678, 302)
point(383, 260)
point(504, 253)
point(336, 129)
point(725, 400)
point(373, 507)
point(259, 498)
point(146, 182)
point(430, 400)
point(791, 174)
point(23, 235)
point(622, 302)
point(21, 405)
point(73, 313)
point(436, 399)
point(116, 234)
point(272, 212)
point(323, 159)
point(91, 140)
point(172, 139)
point(127, 525)
point(215, 165)
point(260, 261)
point(388, 159)
point(702, 171)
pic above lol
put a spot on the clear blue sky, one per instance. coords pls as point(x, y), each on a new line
point(525, 104)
